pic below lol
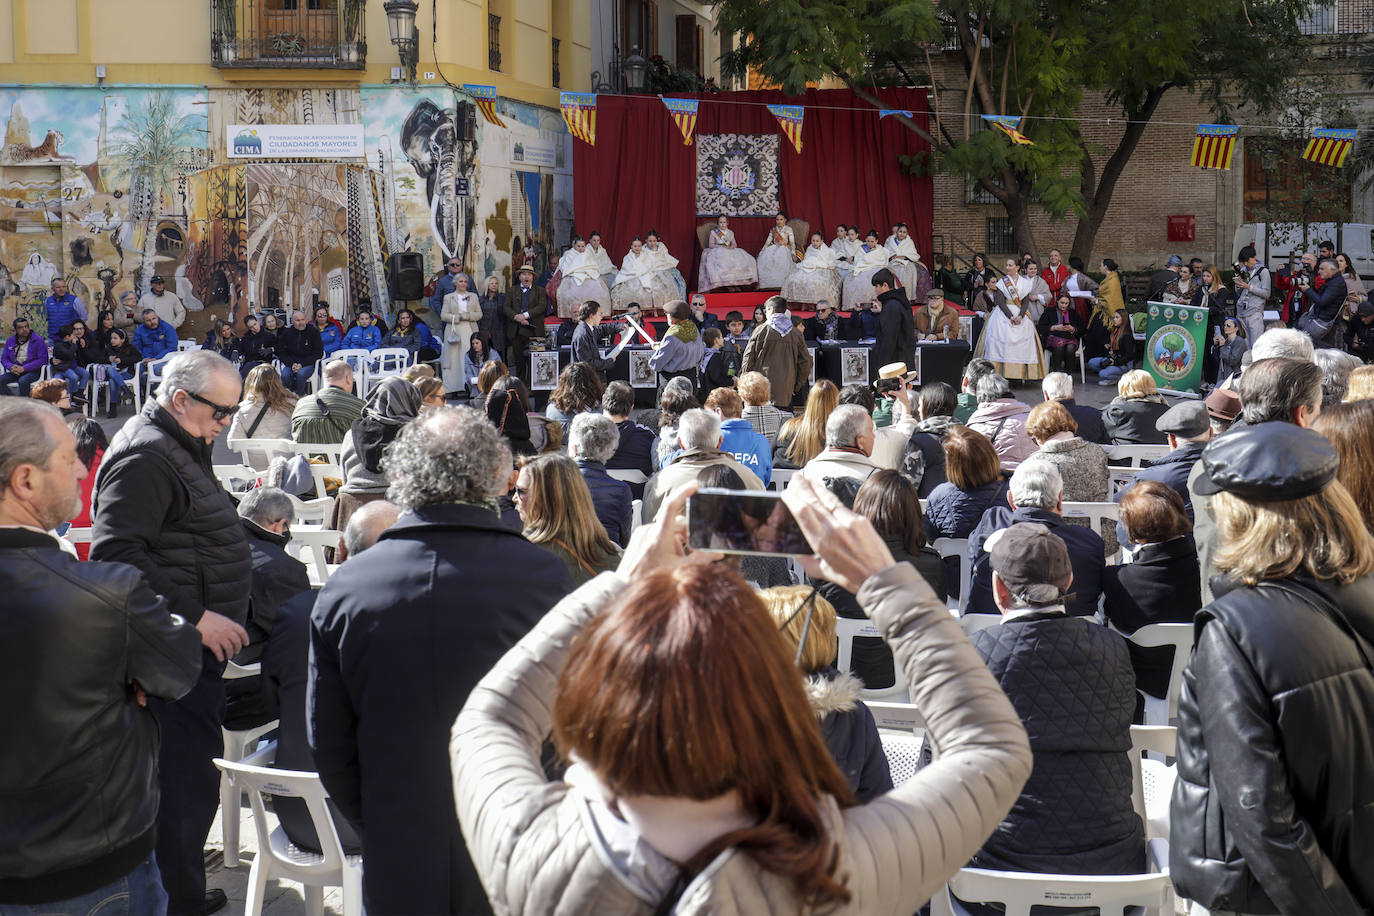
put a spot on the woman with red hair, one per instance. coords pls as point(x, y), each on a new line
point(699, 780)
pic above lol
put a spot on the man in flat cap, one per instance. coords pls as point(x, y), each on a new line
point(168, 306)
point(1071, 682)
point(525, 308)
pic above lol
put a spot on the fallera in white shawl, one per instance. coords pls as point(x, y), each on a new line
point(871, 260)
point(659, 257)
point(818, 258)
point(579, 265)
point(904, 248)
point(844, 248)
point(604, 264)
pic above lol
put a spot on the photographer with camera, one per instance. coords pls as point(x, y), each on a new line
point(1253, 285)
point(1291, 281)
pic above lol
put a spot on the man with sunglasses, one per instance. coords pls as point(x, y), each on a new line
point(159, 508)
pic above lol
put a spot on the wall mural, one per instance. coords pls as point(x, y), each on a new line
point(107, 187)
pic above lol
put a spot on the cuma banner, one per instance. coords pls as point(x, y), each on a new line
point(1175, 340)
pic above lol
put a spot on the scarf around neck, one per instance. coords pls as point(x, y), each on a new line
point(684, 331)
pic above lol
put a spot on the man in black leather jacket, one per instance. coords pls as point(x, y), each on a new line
point(159, 507)
point(81, 645)
point(1273, 810)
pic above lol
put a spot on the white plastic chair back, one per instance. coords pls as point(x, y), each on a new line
point(76, 536)
point(628, 475)
point(319, 472)
point(1180, 636)
point(359, 359)
point(312, 511)
point(956, 547)
point(972, 623)
point(266, 448)
point(780, 478)
point(145, 377)
point(316, 541)
point(1019, 891)
point(386, 362)
point(903, 755)
point(846, 629)
point(184, 346)
point(636, 514)
point(278, 858)
point(233, 476)
point(1096, 513)
point(1118, 479)
point(333, 451)
point(1134, 456)
point(1152, 782)
point(900, 717)
point(1082, 366)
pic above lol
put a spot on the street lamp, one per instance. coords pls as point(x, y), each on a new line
point(634, 68)
point(400, 21)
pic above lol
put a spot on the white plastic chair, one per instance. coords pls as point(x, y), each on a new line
point(278, 857)
point(903, 754)
point(636, 514)
point(899, 717)
point(956, 547)
point(332, 451)
point(1180, 636)
point(846, 629)
point(319, 472)
point(1152, 782)
point(780, 478)
point(1082, 366)
point(236, 744)
point(315, 540)
point(145, 377)
point(1134, 456)
point(1119, 479)
point(1096, 513)
point(356, 357)
point(972, 623)
point(386, 362)
point(1019, 891)
point(230, 474)
point(76, 536)
point(266, 448)
point(312, 511)
point(628, 475)
point(185, 346)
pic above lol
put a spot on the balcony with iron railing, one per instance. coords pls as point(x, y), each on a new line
point(285, 34)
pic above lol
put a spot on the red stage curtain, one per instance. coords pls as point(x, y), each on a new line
point(640, 176)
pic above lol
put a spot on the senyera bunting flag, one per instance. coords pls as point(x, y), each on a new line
point(1213, 146)
point(1008, 124)
point(579, 113)
point(684, 113)
point(790, 120)
point(485, 97)
point(1329, 146)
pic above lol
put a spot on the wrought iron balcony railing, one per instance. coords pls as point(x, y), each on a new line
point(288, 34)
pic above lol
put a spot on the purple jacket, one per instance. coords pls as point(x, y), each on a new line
point(38, 353)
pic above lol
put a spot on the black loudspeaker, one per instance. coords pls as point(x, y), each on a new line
point(405, 276)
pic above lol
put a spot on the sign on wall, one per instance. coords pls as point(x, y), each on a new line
point(294, 141)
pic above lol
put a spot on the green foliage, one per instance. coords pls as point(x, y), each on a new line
point(1035, 58)
point(1174, 343)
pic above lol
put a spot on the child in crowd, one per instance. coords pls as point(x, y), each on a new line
point(364, 335)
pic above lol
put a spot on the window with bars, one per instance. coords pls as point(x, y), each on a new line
point(557, 76)
point(975, 193)
point(1001, 238)
point(493, 42)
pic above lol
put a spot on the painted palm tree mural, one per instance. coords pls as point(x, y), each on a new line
point(148, 146)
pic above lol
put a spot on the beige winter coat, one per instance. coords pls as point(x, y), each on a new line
point(544, 847)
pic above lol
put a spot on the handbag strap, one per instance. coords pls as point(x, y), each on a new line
point(253, 427)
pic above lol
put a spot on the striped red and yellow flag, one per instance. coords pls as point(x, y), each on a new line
point(1213, 146)
point(1008, 124)
point(684, 114)
point(485, 97)
point(1329, 146)
point(790, 120)
point(579, 113)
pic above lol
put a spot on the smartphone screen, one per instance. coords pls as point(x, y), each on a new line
point(743, 521)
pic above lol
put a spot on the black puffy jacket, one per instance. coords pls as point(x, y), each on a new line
point(158, 507)
point(1072, 684)
point(1273, 810)
point(78, 776)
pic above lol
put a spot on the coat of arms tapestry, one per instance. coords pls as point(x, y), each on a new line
point(737, 174)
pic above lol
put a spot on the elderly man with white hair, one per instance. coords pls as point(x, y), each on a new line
point(159, 507)
point(699, 438)
point(1036, 495)
point(849, 438)
point(592, 440)
point(1058, 386)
